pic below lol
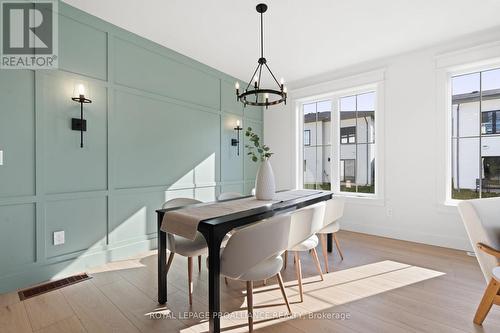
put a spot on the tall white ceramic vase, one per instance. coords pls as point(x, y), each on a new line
point(265, 187)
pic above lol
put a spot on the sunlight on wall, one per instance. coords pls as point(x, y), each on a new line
point(198, 183)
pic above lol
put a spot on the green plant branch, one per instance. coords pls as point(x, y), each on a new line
point(256, 151)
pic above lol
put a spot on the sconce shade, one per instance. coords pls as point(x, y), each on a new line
point(81, 93)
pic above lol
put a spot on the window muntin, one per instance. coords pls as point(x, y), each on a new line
point(475, 140)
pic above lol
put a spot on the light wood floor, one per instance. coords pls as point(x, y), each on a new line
point(383, 285)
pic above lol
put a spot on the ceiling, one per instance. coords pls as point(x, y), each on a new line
point(302, 38)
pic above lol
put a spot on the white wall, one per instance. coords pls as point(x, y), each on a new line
point(412, 207)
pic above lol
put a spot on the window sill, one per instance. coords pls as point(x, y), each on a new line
point(451, 202)
point(371, 200)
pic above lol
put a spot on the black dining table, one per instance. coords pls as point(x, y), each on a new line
point(214, 231)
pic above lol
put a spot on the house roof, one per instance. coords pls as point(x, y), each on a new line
point(325, 116)
point(474, 96)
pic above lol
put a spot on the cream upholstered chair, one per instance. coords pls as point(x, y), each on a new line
point(185, 247)
point(481, 218)
point(305, 223)
point(242, 260)
point(334, 209)
point(228, 195)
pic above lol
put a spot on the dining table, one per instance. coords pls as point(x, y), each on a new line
point(214, 220)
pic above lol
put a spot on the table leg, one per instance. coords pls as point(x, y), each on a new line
point(214, 242)
point(329, 245)
point(162, 262)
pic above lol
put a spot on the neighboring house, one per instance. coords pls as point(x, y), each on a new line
point(476, 144)
point(357, 151)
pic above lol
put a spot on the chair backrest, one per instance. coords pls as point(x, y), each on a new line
point(481, 218)
point(334, 210)
point(179, 202)
point(229, 195)
point(305, 222)
point(253, 244)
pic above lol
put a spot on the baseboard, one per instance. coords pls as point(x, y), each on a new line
point(412, 236)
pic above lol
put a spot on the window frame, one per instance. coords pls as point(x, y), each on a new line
point(448, 66)
point(377, 86)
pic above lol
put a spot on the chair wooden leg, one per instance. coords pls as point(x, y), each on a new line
point(487, 301)
point(316, 262)
point(190, 280)
point(337, 245)
point(282, 287)
point(170, 259)
point(264, 282)
point(324, 250)
point(298, 269)
point(285, 255)
point(250, 305)
point(226, 281)
point(199, 264)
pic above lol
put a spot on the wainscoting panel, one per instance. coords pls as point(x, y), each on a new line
point(17, 236)
point(147, 70)
point(75, 55)
point(134, 216)
point(69, 168)
point(81, 219)
point(17, 133)
point(161, 143)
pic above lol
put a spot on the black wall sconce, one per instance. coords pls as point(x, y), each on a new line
point(236, 142)
point(80, 124)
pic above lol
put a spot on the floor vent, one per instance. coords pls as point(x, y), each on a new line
point(53, 285)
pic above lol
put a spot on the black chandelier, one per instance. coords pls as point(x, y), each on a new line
point(254, 94)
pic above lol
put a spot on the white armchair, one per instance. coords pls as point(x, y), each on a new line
point(334, 210)
point(305, 223)
point(481, 218)
point(242, 260)
point(185, 247)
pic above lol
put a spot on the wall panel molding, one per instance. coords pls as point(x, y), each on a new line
point(149, 139)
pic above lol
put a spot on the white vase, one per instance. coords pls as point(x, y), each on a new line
point(265, 186)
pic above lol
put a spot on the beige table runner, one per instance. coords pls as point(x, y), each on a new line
point(184, 221)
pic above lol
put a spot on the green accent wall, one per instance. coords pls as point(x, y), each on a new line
point(160, 126)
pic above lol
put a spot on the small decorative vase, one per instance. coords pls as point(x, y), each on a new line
point(265, 186)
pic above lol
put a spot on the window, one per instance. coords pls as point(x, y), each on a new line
point(490, 122)
point(357, 142)
point(307, 137)
point(475, 141)
point(352, 119)
point(317, 146)
point(348, 134)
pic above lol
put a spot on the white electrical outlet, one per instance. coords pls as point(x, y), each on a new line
point(1, 157)
point(389, 211)
point(59, 237)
